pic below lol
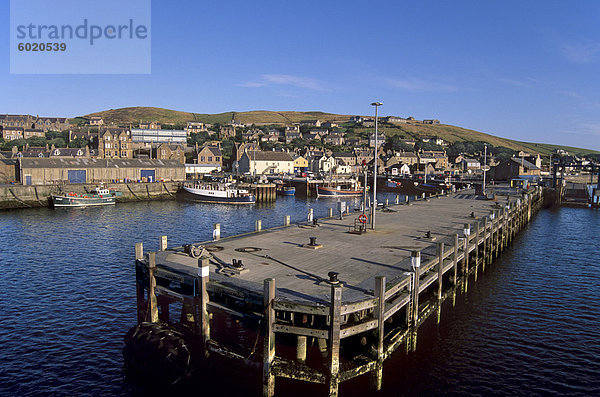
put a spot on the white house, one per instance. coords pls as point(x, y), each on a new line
point(266, 162)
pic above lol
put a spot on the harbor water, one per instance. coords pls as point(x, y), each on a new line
point(529, 325)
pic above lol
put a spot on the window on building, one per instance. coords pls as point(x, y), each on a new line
point(217, 158)
point(201, 158)
point(209, 158)
point(107, 145)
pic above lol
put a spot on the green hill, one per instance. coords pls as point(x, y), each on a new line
point(449, 133)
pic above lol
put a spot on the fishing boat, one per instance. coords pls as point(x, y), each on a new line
point(222, 193)
point(99, 196)
point(338, 191)
point(286, 190)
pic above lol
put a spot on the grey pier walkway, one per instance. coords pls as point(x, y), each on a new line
point(331, 281)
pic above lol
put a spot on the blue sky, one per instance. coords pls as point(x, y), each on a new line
point(521, 70)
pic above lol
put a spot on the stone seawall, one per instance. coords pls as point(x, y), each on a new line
point(19, 196)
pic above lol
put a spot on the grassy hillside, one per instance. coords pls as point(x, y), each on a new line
point(449, 133)
point(134, 115)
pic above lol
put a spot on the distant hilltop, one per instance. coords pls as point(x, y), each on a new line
point(407, 127)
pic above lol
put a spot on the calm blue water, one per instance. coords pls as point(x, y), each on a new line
point(530, 325)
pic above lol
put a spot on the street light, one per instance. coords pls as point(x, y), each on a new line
point(374, 208)
point(484, 166)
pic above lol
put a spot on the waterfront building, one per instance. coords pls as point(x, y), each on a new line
point(266, 162)
point(41, 171)
point(515, 167)
point(34, 122)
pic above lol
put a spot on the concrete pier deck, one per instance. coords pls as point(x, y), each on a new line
point(301, 272)
point(337, 288)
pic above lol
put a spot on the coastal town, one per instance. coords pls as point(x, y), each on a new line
point(50, 150)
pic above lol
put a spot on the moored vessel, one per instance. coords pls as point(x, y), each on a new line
point(222, 193)
point(99, 196)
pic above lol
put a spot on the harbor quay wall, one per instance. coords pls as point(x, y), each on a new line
point(32, 196)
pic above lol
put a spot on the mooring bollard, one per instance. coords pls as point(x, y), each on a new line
point(216, 231)
point(258, 225)
point(163, 243)
point(286, 220)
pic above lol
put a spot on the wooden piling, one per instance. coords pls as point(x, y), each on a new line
point(455, 261)
point(379, 316)
point(151, 291)
point(201, 317)
point(216, 231)
point(485, 241)
point(477, 236)
point(330, 212)
point(301, 348)
point(335, 320)
point(163, 243)
point(269, 342)
point(139, 251)
point(258, 225)
point(440, 252)
point(416, 265)
point(286, 220)
point(466, 256)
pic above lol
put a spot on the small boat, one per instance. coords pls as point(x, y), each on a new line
point(222, 193)
point(392, 184)
point(286, 190)
point(99, 196)
point(337, 191)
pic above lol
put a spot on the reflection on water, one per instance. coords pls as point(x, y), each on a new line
point(529, 325)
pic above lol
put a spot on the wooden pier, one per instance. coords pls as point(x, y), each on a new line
point(331, 284)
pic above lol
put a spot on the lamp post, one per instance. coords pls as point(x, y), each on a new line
point(374, 208)
point(484, 166)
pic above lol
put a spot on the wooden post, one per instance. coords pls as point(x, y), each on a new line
point(466, 257)
point(440, 252)
point(301, 348)
point(379, 314)
point(477, 236)
point(269, 342)
point(286, 220)
point(139, 251)
point(163, 243)
point(139, 285)
point(335, 320)
point(397, 200)
point(455, 261)
point(151, 293)
point(416, 264)
point(310, 215)
point(485, 242)
point(201, 316)
point(216, 231)
point(330, 212)
point(258, 225)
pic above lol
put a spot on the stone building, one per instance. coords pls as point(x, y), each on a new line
point(114, 143)
point(210, 155)
point(171, 152)
point(41, 171)
point(34, 122)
